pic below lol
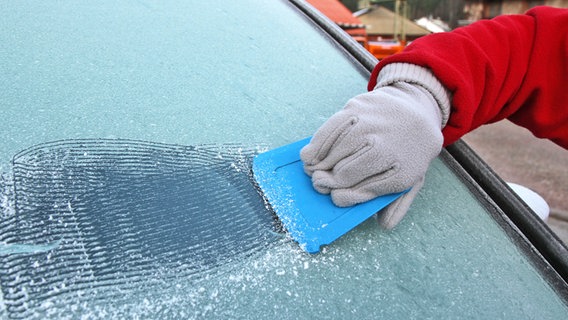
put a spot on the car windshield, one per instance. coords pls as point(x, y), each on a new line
point(114, 114)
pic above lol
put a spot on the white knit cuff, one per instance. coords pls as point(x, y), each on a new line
point(411, 73)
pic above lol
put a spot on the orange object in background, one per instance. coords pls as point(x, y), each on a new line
point(383, 49)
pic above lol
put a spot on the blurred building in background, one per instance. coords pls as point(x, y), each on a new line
point(380, 30)
point(388, 32)
point(385, 27)
point(487, 9)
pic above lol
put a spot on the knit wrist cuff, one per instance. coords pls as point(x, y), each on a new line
point(414, 74)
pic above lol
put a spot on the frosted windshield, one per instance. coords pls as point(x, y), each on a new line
point(177, 74)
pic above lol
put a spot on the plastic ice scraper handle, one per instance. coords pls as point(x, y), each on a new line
point(311, 218)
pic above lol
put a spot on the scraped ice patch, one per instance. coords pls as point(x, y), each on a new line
point(96, 219)
point(12, 249)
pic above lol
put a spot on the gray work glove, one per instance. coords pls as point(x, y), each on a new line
point(382, 142)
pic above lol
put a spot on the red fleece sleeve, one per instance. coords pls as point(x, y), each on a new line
point(513, 66)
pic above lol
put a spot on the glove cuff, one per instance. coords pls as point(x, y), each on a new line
point(414, 74)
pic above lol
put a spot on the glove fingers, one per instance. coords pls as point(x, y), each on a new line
point(369, 162)
point(370, 188)
point(390, 216)
point(324, 151)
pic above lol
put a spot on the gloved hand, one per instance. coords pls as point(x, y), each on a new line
point(382, 142)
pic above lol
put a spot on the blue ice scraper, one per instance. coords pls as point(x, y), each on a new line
point(311, 218)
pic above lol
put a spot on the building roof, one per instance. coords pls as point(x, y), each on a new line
point(337, 12)
point(381, 21)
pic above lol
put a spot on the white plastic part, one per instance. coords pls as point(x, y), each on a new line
point(532, 199)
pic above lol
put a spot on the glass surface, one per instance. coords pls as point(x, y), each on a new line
point(250, 72)
point(175, 72)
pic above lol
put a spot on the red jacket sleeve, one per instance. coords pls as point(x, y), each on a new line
point(513, 66)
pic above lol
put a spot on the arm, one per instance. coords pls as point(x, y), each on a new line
point(513, 66)
point(438, 89)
